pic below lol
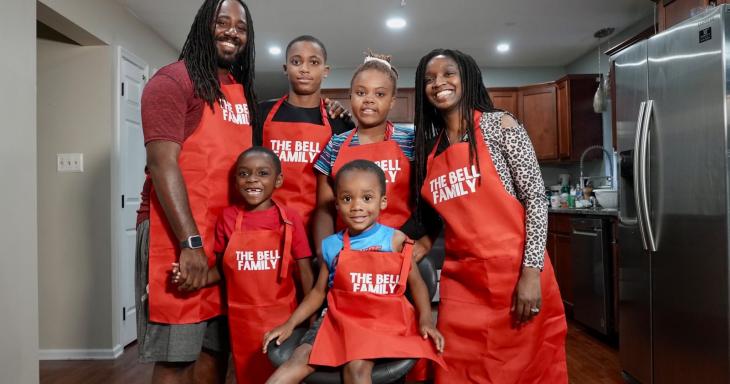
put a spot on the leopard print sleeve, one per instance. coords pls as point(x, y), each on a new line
point(516, 163)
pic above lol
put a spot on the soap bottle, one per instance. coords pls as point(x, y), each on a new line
point(571, 198)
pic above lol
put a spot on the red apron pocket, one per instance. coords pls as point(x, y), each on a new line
point(502, 274)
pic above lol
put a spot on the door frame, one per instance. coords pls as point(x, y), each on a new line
point(117, 226)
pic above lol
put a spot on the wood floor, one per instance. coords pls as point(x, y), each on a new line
point(590, 361)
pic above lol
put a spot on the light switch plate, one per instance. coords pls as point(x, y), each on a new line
point(70, 162)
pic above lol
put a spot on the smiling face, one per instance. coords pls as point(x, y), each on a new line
point(372, 95)
point(256, 179)
point(305, 67)
point(359, 199)
point(443, 83)
point(230, 32)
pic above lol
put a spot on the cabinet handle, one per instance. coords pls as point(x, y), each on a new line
point(584, 233)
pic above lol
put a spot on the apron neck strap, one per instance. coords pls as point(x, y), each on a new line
point(239, 221)
point(346, 240)
point(407, 253)
point(287, 256)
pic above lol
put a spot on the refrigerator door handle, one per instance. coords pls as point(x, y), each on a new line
point(621, 218)
point(637, 172)
point(642, 188)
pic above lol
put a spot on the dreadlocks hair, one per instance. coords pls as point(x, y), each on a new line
point(378, 62)
point(200, 58)
point(428, 121)
point(309, 39)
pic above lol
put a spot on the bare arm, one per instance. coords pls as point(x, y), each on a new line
point(306, 276)
point(324, 213)
point(419, 293)
point(309, 305)
point(162, 162)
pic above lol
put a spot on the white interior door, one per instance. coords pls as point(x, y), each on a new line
point(132, 160)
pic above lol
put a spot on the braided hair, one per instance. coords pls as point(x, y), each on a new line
point(428, 121)
point(201, 61)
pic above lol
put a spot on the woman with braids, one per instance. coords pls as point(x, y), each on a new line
point(197, 115)
point(500, 306)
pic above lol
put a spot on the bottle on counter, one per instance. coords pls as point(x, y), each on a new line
point(571, 198)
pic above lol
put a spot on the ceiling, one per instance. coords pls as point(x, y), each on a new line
point(541, 32)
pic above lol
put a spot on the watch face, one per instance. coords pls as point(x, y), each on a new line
point(196, 242)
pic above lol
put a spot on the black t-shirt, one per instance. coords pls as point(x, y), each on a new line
point(292, 114)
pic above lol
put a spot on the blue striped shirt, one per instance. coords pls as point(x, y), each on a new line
point(403, 135)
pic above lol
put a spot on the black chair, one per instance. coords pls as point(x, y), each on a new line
point(384, 372)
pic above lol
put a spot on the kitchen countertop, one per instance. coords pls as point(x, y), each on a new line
point(585, 211)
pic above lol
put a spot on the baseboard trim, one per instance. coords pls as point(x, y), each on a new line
point(81, 354)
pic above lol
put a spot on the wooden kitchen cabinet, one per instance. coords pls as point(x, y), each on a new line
point(579, 127)
point(672, 12)
point(505, 99)
point(558, 247)
point(538, 112)
point(402, 112)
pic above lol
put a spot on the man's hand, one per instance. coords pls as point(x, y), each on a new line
point(193, 269)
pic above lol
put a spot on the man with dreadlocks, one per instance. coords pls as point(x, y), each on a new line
point(197, 115)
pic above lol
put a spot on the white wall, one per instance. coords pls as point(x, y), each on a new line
point(79, 311)
point(18, 228)
point(74, 115)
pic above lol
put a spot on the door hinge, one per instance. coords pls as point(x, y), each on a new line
point(122, 201)
point(124, 313)
point(122, 88)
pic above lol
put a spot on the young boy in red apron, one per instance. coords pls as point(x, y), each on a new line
point(297, 126)
point(365, 268)
point(258, 244)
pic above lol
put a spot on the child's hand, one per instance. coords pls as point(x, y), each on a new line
point(436, 336)
point(176, 274)
point(280, 334)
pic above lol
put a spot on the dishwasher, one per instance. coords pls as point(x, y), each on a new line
point(592, 273)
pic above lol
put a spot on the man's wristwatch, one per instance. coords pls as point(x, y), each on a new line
point(192, 242)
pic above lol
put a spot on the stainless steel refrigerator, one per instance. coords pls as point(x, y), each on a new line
point(672, 94)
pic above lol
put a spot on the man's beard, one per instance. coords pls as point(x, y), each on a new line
point(226, 63)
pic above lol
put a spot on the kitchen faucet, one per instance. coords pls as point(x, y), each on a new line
point(610, 159)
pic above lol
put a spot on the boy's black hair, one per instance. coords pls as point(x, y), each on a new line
point(201, 61)
point(428, 121)
point(262, 151)
point(365, 166)
point(308, 38)
point(378, 65)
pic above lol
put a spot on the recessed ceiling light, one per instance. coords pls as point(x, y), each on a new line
point(503, 48)
point(396, 23)
point(274, 50)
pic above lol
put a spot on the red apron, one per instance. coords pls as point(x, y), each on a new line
point(397, 168)
point(260, 292)
point(368, 317)
point(298, 146)
point(206, 160)
point(485, 240)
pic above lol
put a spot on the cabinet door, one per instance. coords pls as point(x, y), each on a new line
point(402, 111)
point(505, 100)
point(539, 115)
point(564, 267)
point(564, 129)
point(550, 248)
point(674, 11)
